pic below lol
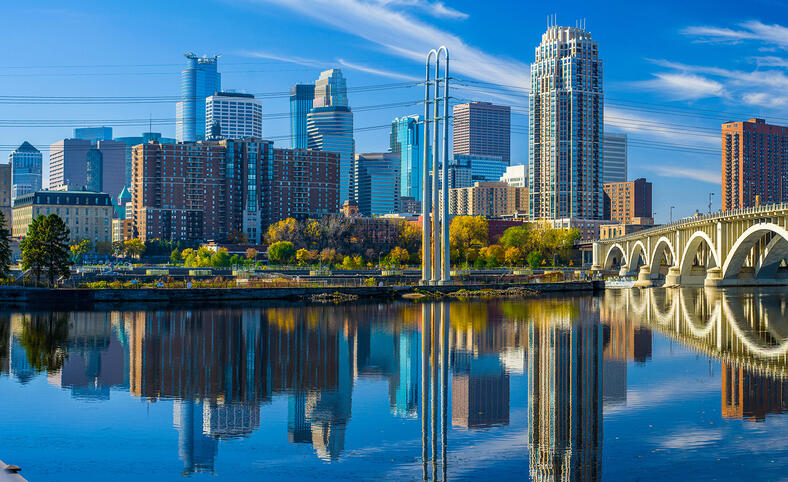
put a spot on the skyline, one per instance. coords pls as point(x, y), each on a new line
point(700, 61)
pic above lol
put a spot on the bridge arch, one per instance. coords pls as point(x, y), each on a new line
point(771, 259)
point(662, 246)
point(744, 244)
point(637, 252)
point(616, 256)
point(691, 249)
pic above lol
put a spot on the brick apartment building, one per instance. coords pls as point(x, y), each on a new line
point(625, 201)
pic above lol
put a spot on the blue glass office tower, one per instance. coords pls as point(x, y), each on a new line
point(302, 98)
point(330, 125)
point(94, 163)
point(407, 135)
point(26, 165)
point(93, 134)
point(199, 80)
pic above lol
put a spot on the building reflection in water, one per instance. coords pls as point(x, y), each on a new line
point(220, 366)
point(564, 393)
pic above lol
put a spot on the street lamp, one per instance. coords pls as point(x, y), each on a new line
point(671, 213)
point(710, 195)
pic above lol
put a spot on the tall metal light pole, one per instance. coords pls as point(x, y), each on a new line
point(710, 195)
point(671, 213)
point(435, 225)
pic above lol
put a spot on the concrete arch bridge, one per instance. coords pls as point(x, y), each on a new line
point(744, 247)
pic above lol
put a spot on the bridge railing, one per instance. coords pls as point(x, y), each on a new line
point(699, 219)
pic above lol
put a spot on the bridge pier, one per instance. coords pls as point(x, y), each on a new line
point(713, 277)
point(673, 278)
point(644, 278)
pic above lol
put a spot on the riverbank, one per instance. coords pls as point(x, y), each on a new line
point(84, 298)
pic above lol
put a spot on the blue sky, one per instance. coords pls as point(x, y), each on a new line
point(673, 71)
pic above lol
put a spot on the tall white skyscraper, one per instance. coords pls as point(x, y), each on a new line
point(235, 115)
point(330, 126)
point(614, 157)
point(566, 111)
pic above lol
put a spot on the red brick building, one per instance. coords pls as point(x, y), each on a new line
point(754, 164)
point(625, 201)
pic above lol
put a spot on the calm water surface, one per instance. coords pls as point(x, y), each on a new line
point(649, 385)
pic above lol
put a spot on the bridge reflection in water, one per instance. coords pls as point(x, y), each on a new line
point(445, 363)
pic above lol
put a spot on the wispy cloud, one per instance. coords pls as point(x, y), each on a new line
point(380, 72)
point(436, 9)
point(257, 54)
point(684, 86)
point(751, 30)
point(709, 176)
point(403, 35)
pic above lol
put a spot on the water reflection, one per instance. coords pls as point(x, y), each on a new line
point(450, 365)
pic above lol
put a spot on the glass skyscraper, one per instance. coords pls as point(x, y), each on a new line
point(376, 183)
point(302, 98)
point(614, 157)
point(133, 141)
point(407, 134)
point(483, 168)
point(93, 133)
point(26, 165)
point(199, 80)
point(565, 134)
point(330, 125)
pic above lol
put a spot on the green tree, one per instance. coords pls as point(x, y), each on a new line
point(493, 255)
point(45, 248)
point(466, 233)
point(534, 259)
point(281, 252)
point(133, 247)
point(44, 339)
point(220, 259)
point(175, 257)
point(5, 248)
point(520, 237)
point(80, 249)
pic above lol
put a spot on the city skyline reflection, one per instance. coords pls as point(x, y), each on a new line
point(452, 366)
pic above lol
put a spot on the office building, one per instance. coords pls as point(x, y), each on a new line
point(93, 134)
point(302, 99)
point(303, 184)
point(199, 80)
point(484, 168)
point(614, 157)
point(5, 193)
point(407, 140)
point(483, 129)
point(625, 201)
point(87, 214)
point(133, 141)
point(490, 199)
point(330, 125)
point(754, 164)
point(566, 124)
point(70, 161)
point(516, 176)
point(376, 180)
point(235, 115)
point(26, 165)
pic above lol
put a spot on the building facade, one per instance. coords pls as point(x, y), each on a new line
point(482, 128)
point(566, 124)
point(235, 115)
point(87, 215)
point(490, 199)
point(302, 99)
point(70, 161)
point(5, 193)
point(614, 157)
point(625, 201)
point(484, 168)
point(303, 184)
point(93, 134)
point(199, 80)
point(26, 167)
point(376, 182)
point(407, 140)
point(516, 175)
point(133, 141)
point(754, 164)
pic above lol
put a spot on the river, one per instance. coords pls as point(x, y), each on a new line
point(631, 384)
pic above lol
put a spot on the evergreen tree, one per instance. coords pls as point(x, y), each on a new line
point(5, 247)
point(45, 248)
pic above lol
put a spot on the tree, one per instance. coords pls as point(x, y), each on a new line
point(398, 256)
point(493, 255)
point(352, 262)
point(517, 237)
point(465, 233)
point(409, 237)
point(133, 247)
point(103, 248)
point(175, 257)
point(5, 247)
point(534, 259)
point(513, 256)
point(281, 252)
point(313, 234)
point(78, 250)
point(306, 257)
point(44, 338)
point(251, 254)
point(220, 259)
point(285, 230)
point(235, 260)
point(45, 248)
point(327, 256)
point(117, 248)
point(238, 237)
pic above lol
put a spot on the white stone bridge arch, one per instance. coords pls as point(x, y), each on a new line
point(744, 247)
